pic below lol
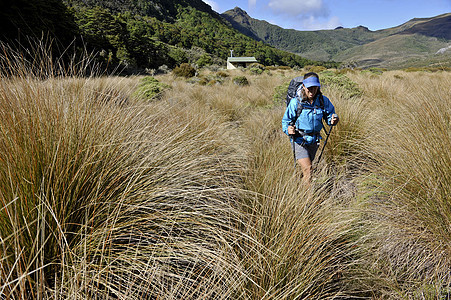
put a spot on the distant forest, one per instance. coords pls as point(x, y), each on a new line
point(136, 35)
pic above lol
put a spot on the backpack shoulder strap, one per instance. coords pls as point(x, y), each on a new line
point(321, 105)
point(321, 101)
point(298, 108)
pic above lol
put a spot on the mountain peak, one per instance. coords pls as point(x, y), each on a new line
point(238, 15)
point(363, 28)
point(237, 9)
point(237, 12)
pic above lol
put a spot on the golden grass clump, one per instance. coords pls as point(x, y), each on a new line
point(194, 195)
point(408, 189)
point(305, 247)
point(301, 242)
point(101, 198)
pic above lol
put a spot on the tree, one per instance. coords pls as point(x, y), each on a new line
point(38, 18)
point(204, 60)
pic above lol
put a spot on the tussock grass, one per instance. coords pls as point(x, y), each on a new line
point(347, 140)
point(194, 195)
point(98, 201)
point(305, 240)
point(409, 190)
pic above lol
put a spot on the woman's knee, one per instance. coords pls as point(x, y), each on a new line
point(306, 164)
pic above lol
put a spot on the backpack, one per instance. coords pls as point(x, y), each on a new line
point(295, 83)
point(292, 88)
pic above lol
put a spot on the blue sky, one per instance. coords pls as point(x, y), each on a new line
point(329, 14)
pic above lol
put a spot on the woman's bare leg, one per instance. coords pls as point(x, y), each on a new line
point(306, 167)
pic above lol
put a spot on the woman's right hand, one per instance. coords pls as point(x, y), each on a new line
point(291, 130)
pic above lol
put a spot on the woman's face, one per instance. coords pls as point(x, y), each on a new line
point(311, 92)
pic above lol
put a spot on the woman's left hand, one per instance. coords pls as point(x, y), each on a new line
point(334, 119)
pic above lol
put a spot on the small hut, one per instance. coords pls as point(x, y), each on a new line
point(236, 62)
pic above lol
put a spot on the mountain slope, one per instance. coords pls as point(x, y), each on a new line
point(163, 10)
point(307, 43)
point(391, 51)
point(438, 26)
point(418, 38)
point(144, 34)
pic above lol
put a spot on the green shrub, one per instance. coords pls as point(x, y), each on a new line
point(184, 70)
point(271, 68)
point(377, 71)
point(427, 69)
point(280, 92)
point(150, 88)
point(213, 82)
point(204, 60)
point(209, 79)
point(256, 69)
point(178, 55)
point(316, 69)
point(341, 82)
point(240, 80)
point(222, 74)
point(203, 81)
point(284, 68)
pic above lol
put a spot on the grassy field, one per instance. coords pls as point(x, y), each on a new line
point(107, 192)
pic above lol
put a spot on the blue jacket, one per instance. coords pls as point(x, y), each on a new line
point(310, 119)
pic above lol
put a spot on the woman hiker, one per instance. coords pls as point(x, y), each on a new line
point(302, 121)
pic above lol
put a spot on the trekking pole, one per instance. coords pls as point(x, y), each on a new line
point(292, 145)
point(324, 146)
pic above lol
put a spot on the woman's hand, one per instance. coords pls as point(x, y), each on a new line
point(291, 130)
point(334, 119)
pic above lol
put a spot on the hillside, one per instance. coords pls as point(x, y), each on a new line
point(143, 35)
point(160, 9)
point(139, 36)
point(301, 42)
point(394, 51)
point(439, 27)
point(417, 38)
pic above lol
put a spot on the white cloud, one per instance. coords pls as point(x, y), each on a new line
point(304, 14)
point(295, 8)
point(213, 4)
point(252, 3)
point(313, 23)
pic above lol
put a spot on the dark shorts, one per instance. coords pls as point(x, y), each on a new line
point(305, 151)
